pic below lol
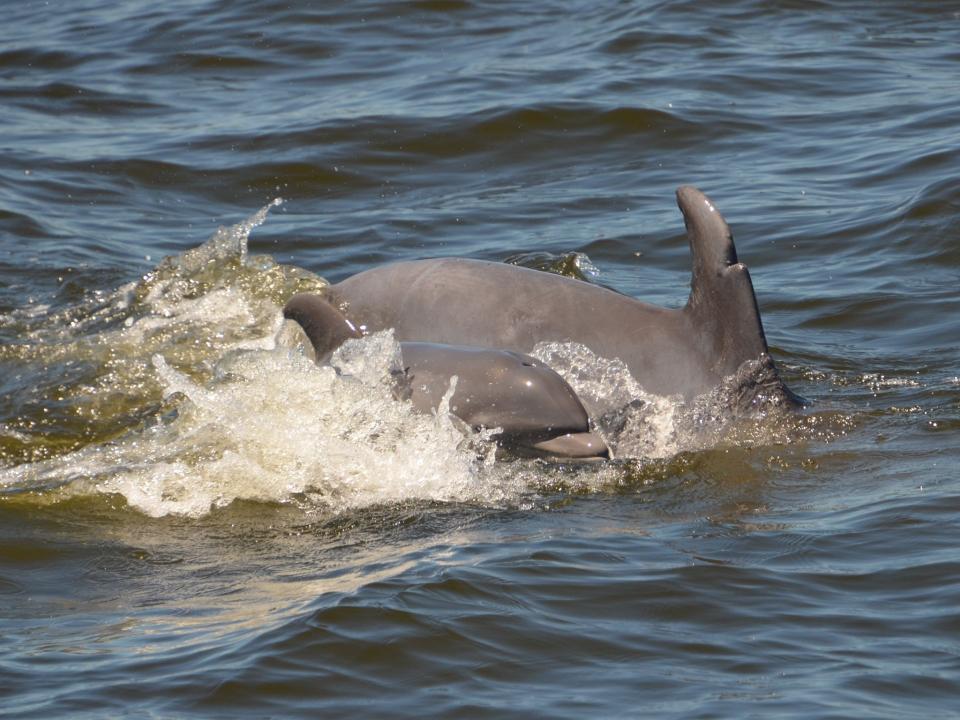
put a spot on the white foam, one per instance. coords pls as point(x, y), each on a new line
point(275, 427)
point(878, 382)
point(247, 416)
point(634, 423)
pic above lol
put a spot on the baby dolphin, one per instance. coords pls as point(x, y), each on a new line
point(537, 412)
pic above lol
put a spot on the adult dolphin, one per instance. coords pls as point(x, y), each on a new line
point(685, 351)
point(537, 412)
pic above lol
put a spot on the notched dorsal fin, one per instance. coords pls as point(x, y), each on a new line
point(722, 305)
point(711, 243)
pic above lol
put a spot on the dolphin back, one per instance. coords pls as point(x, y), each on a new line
point(670, 351)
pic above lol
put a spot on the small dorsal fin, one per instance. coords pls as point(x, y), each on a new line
point(326, 326)
point(722, 305)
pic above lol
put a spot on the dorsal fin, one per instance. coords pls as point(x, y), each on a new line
point(326, 326)
point(711, 242)
point(722, 305)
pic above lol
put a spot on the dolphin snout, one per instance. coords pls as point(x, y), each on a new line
point(580, 445)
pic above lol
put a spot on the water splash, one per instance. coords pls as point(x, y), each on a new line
point(186, 391)
point(749, 407)
point(183, 401)
point(634, 423)
point(575, 265)
point(83, 374)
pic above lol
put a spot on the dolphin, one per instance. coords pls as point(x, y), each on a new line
point(536, 411)
point(685, 351)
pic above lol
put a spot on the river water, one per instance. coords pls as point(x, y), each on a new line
point(195, 521)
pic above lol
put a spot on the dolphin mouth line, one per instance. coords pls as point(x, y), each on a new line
point(572, 445)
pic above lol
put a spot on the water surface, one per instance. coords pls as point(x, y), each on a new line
point(197, 522)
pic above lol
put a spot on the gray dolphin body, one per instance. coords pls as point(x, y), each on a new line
point(535, 409)
point(685, 351)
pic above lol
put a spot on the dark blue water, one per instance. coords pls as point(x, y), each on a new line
point(197, 522)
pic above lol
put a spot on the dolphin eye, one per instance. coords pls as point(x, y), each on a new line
point(526, 364)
